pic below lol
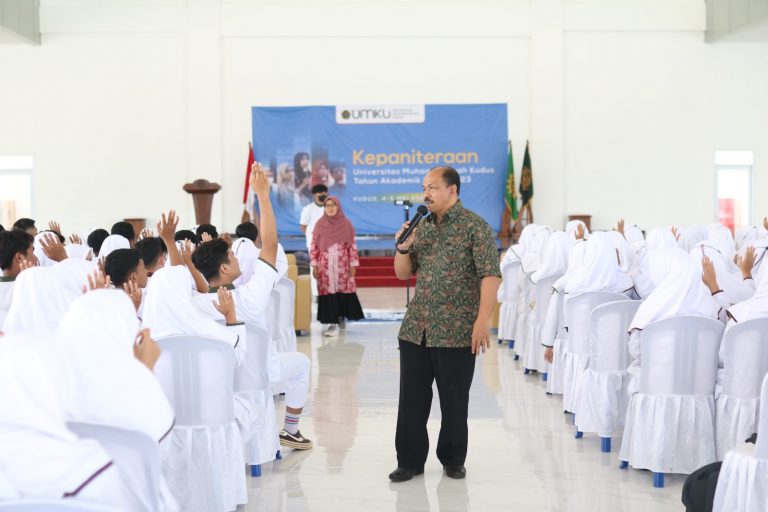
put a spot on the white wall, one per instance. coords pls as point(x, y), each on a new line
point(623, 101)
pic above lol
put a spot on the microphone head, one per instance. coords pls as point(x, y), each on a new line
point(422, 210)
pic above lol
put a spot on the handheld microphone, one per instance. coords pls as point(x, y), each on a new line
point(421, 212)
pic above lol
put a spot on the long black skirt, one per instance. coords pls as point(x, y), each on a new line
point(332, 307)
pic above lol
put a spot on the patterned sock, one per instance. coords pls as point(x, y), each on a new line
point(291, 423)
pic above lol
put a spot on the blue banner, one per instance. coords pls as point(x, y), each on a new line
point(371, 156)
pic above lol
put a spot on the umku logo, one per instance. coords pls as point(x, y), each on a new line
point(380, 114)
point(345, 114)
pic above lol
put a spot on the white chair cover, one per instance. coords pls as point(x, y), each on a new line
point(743, 480)
point(137, 458)
point(203, 455)
point(744, 360)
point(576, 348)
point(670, 423)
point(533, 358)
point(554, 328)
point(287, 290)
point(508, 292)
point(602, 402)
point(252, 383)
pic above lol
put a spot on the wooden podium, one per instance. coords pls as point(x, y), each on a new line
point(202, 196)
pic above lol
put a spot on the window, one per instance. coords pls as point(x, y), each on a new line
point(15, 189)
point(734, 188)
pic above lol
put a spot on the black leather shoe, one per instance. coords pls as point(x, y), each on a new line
point(403, 474)
point(455, 471)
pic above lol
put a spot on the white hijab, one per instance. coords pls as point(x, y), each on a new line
point(555, 257)
point(575, 261)
point(678, 290)
point(78, 251)
point(39, 301)
point(39, 457)
point(661, 238)
point(109, 385)
point(746, 236)
point(573, 226)
point(625, 254)
point(721, 239)
point(633, 235)
point(113, 243)
point(600, 270)
point(169, 311)
point(73, 274)
point(757, 305)
point(247, 254)
point(535, 249)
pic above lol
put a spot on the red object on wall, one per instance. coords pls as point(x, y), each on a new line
point(726, 212)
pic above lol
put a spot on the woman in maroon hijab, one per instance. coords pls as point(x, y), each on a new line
point(334, 258)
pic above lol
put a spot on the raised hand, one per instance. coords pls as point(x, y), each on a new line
point(259, 180)
point(146, 350)
point(708, 274)
point(765, 223)
point(75, 240)
point(580, 232)
point(97, 281)
point(52, 247)
point(206, 237)
point(620, 226)
point(147, 233)
point(54, 226)
point(25, 264)
point(676, 232)
point(166, 228)
point(186, 250)
point(134, 292)
point(226, 305)
point(746, 263)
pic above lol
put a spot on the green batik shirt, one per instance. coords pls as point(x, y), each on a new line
point(450, 260)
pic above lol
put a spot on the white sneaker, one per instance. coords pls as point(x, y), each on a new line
point(331, 330)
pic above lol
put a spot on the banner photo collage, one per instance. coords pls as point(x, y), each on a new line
point(372, 156)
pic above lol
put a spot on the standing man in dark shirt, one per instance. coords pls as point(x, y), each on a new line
point(453, 254)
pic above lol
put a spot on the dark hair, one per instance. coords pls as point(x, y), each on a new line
point(11, 243)
point(124, 229)
point(120, 263)
point(247, 230)
point(450, 176)
point(186, 234)
point(95, 239)
point(319, 188)
point(58, 235)
point(24, 224)
point(150, 250)
point(207, 228)
point(1, 228)
point(209, 256)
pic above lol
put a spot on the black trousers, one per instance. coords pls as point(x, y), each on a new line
point(452, 369)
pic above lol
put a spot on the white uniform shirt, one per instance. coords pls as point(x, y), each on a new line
point(310, 214)
point(6, 295)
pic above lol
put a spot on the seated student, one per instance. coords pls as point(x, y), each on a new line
point(124, 229)
point(16, 253)
point(153, 252)
point(127, 271)
point(96, 239)
point(39, 457)
point(216, 261)
point(208, 229)
point(678, 290)
point(27, 225)
point(248, 232)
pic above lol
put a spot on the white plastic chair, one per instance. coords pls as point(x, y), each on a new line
point(287, 290)
point(203, 456)
point(63, 505)
point(744, 359)
point(670, 423)
point(602, 401)
point(508, 310)
point(252, 383)
point(576, 347)
point(136, 456)
point(533, 359)
point(743, 480)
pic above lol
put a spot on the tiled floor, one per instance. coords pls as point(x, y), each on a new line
point(522, 454)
